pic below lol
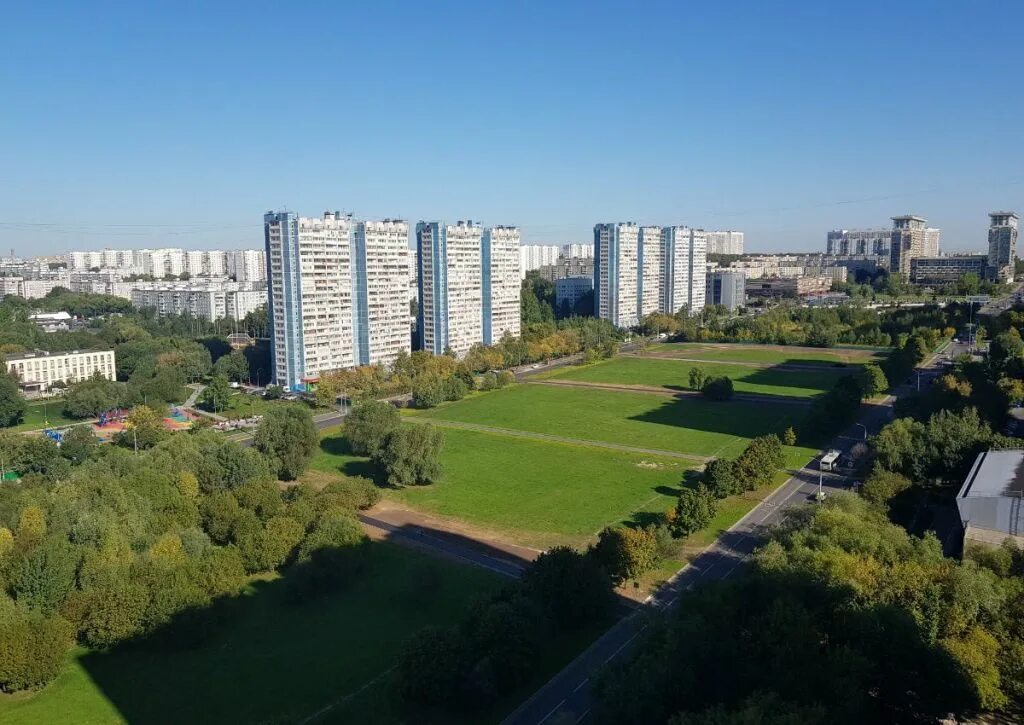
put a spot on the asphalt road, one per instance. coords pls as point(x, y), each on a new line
point(568, 695)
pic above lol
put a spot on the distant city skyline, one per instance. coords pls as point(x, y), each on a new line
point(155, 128)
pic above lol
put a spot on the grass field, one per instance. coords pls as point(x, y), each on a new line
point(40, 415)
point(674, 374)
point(770, 353)
point(684, 425)
point(273, 662)
point(538, 493)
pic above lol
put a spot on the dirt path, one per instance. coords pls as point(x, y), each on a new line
point(556, 439)
point(669, 393)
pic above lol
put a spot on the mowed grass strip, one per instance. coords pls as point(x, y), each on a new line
point(272, 662)
point(684, 425)
point(674, 374)
point(772, 354)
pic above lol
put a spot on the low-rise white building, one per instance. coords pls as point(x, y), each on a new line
point(37, 371)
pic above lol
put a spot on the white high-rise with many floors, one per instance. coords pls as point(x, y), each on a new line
point(578, 251)
point(616, 251)
point(649, 272)
point(501, 288)
point(246, 265)
point(451, 286)
point(535, 256)
point(725, 242)
point(381, 298)
point(684, 269)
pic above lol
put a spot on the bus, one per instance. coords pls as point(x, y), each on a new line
point(830, 461)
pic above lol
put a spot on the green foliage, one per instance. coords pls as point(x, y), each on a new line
point(718, 389)
point(626, 553)
point(694, 511)
point(410, 455)
point(789, 436)
point(44, 576)
point(32, 646)
point(216, 394)
point(571, 587)
point(940, 450)
point(882, 486)
point(336, 530)
point(78, 444)
point(91, 397)
point(431, 666)
point(368, 426)
point(873, 380)
point(720, 477)
point(234, 366)
point(12, 404)
point(697, 379)
point(274, 392)
point(288, 438)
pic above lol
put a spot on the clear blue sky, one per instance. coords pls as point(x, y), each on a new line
point(781, 119)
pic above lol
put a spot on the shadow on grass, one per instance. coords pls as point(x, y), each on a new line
point(338, 445)
point(317, 638)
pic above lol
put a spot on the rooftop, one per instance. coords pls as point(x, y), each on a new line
point(994, 474)
point(46, 353)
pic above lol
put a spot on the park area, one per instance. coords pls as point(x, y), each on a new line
point(273, 660)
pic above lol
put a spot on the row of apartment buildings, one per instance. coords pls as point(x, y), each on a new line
point(242, 265)
point(640, 270)
point(338, 291)
point(911, 248)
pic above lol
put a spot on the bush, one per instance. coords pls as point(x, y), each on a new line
point(718, 389)
point(369, 424)
point(410, 455)
point(428, 391)
point(32, 646)
point(505, 378)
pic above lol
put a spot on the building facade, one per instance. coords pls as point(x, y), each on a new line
point(501, 289)
point(570, 290)
point(859, 242)
point(309, 303)
point(204, 300)
point(451, 286)
point(649, 272)
point(568, 267)
point(1002, 243)
point(579, 251)
point(380, 295)
point(725, 242)
point(616, 252)
point(37, 371)
point(246, 265)
point(908, 241)
point(726, 287)
point(942, 270)
point(535, 256)
point(684, 269)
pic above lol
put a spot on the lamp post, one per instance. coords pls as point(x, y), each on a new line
point(861, 425)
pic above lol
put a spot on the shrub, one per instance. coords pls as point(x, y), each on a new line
point(718, 389)
point(369, 424)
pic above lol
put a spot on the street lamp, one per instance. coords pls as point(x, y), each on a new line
point(861, 425)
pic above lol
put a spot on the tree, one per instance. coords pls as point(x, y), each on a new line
point(31, 527)
point(882, 486)
point(697, 379)
point(12, 404)
point(720, 478)
point(410, 455)
point(718, 389)
point(33, 646)
point(273, 392)
point(900, 447)
point(281, 536)
point(432, 665)
point(78, 444)
point(232, 366)
point(626, 553)
point(338, 530)
point(217, 394)
point(694, 511)
point(44, 576)
point(91, 397)
point(428, 391)
point(144, 428)
point(759, 461)
point(917, 349)
point(873, 380)
point(572, 588)
point(369, 424)
point(789, 436)
point(288, 438)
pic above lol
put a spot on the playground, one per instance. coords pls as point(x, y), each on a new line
point(112, 422)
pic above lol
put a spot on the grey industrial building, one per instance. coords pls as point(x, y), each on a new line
point(942, 270)
point(990, 499)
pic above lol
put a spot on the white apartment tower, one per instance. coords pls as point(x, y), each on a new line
point(684, 269)
point(616, 251)
point(381, 300)
point(500, 258)
point(725, 242)
point(1002, 244)
point(246, 265)
point(649, 272)
point(451, 286)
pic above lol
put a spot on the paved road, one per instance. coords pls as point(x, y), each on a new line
point(569, 694)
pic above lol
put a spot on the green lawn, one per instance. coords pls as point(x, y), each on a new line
point(40, 415)
point(539, 493)
point(772, 354)
point(684, 425)
point(273, 662)
point(674, 374)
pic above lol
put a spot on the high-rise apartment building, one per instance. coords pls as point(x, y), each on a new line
point(931, 241)
point(500, 258)
point(451, 286)
point(908, 241)
point(725, 242)
point(1002, 244)
point(684, 266)
point(203, 263)
point(578, 251)
point(616, 251)
point(246, 265)
point(862, 242)
point(727, 287)
point(649, 272)
point(309, 295)
point(535, 256)
point(337, 293)
point(380, 295)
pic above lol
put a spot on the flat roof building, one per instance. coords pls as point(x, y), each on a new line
point(38, 370)
point(990, 500)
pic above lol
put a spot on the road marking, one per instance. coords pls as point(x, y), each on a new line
point(581, 717)
point(621, 647)
point(585, 681)
point(556, 708)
